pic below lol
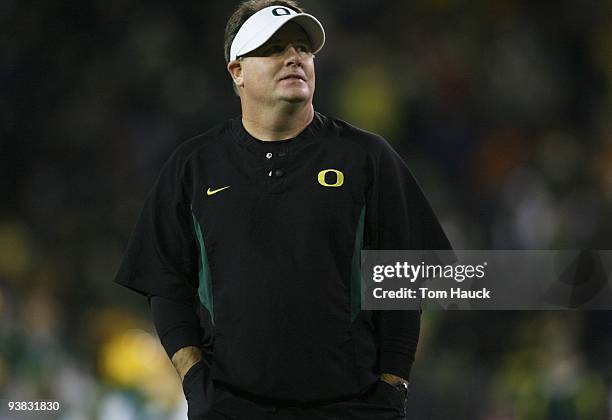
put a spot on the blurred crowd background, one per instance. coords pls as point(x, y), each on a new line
point(501, 108)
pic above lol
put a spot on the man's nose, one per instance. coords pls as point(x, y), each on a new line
point(292, 55)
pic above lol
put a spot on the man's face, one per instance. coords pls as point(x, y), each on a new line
point(282, 69)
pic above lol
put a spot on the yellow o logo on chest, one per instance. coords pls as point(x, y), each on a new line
point(339, 178)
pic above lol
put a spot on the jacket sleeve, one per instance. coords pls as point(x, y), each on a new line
point(161, 258)
point(398, 217)
point(176, 322)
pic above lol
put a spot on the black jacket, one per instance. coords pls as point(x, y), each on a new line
point(269, 234)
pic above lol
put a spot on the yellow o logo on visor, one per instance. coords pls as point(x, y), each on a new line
point(339, 178)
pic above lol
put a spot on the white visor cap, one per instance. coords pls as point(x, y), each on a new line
point(260, 27)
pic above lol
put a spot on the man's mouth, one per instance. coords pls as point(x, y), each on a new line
point(293, 77)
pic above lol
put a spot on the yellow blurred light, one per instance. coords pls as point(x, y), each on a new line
point(3, 373)
point(127, 356)
point(591, 397)
point(15, 254)
point(368, 98)
point(135, 359)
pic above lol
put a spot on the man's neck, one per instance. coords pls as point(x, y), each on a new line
point(279, 124)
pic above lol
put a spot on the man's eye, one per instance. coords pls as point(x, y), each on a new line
point(274, 49)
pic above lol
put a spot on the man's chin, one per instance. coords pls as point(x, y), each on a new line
point(296, 98)
point(294, 94)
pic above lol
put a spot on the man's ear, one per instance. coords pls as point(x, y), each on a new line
point(234, 68)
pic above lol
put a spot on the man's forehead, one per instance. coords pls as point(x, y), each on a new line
point(290, 31)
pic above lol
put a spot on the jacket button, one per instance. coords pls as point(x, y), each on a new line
point(269, 155)
point(278, 173)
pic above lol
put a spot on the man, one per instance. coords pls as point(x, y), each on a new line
point(263, 219)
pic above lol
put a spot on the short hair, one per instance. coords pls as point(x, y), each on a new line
point(245, 10)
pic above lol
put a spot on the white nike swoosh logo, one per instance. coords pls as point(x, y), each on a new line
point(211, 192)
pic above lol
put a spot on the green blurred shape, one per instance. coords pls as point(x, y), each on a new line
point(369, 99)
